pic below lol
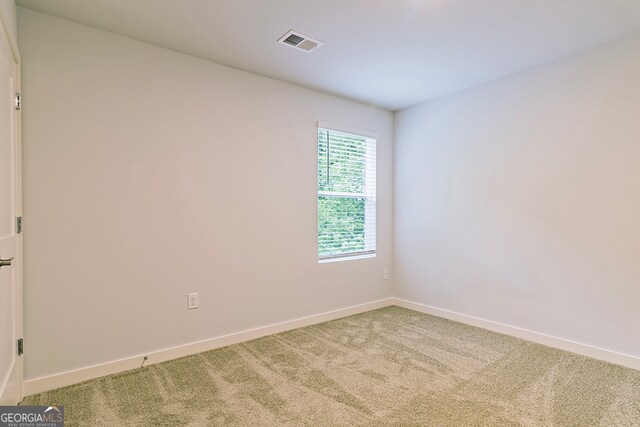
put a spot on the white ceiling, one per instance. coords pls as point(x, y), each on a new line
point(390, 53)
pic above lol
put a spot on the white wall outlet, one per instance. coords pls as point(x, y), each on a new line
point(385, 274)
point(192, 301)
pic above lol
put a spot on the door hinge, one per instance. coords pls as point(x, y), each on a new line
point(19, 225)
point(20, 347)
point(18, 101)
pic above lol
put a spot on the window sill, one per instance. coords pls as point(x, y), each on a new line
point(345, 258)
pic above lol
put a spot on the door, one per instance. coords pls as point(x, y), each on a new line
point(10, 240)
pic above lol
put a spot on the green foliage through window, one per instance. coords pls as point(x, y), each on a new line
point(346, 194)
point(340, 225)
point(341, 162)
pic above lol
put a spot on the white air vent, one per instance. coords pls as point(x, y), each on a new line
point(299, 41)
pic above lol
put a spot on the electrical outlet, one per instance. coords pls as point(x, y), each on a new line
point(192, 301)
point(385, 274)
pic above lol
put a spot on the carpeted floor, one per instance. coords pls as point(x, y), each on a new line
point(389, 367)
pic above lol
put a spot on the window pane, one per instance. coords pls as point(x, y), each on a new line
point(341, 225)
point(346, 194)
point(341, 162)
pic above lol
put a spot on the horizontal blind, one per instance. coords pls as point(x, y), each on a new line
point(346, 194)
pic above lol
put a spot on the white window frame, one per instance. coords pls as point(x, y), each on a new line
point(369, 195)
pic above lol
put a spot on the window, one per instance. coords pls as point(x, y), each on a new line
point(346, 194)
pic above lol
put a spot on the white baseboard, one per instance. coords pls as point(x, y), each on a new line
point(50, 382)
point(537, 337)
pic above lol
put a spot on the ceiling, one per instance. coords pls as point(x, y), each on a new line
point(388, 53)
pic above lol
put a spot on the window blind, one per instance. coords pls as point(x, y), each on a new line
point(346, 194)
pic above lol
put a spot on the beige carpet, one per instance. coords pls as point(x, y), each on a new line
point(389, 367)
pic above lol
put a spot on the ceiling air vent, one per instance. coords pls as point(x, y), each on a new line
point(299, 41)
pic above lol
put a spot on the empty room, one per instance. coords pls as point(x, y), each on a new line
point(319, 213)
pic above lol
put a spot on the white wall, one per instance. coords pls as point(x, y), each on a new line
point(150, 174)
point(519, 201)
point(8, 16)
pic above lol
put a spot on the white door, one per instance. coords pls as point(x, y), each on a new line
point(10, 240)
